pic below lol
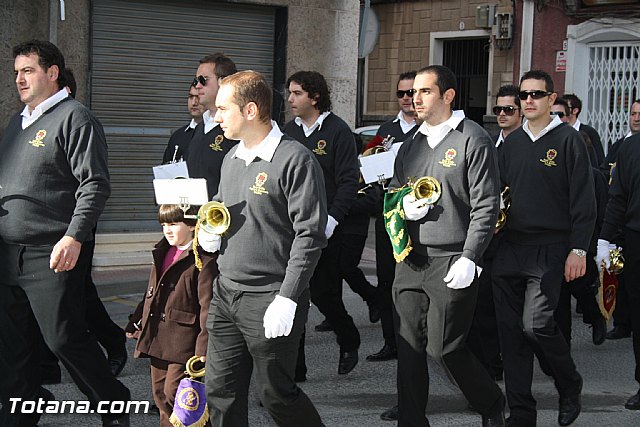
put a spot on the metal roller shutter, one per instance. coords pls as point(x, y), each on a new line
point(144, 56)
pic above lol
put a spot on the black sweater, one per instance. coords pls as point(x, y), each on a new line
point(334, 147)
point(54, 179)
point(551, 187)
point(393, 128)
point(180, 138)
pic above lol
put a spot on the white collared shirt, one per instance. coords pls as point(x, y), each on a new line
point(500, 138)
point(577, 124)
point(192, 125)
point(264, 150)
point(404, 125)
point(435, 134)
point(554, 123)
point(318, 123)
point(29, 117)
point(209, 123)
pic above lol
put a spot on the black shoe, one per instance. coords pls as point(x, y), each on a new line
point(348, 361)
point(570, 408)
point(374, 312)
point(599, 331)
point(300, 377)
point(324, 326)
point(618, 332)
point(122, 421)
point(154, 410)
point(31, 420)
point(386, 353)
point(117, 362)
point(390, 414)
point(514, 421)
point(51, 376)
point(494, 421)
point(634, 402)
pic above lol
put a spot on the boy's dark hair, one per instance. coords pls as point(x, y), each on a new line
point(223, 66)
point(173, 213)
point(315, 84)
point(509, 90)
point(409, 75)
point(48, 55)
point(573, 101)
point(539, 75)
point(68, 79)
point(445, 79)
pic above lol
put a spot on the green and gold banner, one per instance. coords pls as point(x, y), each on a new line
point(395, 222)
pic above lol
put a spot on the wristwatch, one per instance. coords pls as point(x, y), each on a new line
point(580, 252)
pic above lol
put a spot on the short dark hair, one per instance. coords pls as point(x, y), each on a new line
point(68, 79)
point(313, 83)
point(565, 104)
point(445, 79)
point(509, 90)
point(48, 54)
point(539, 75)
point(408, 75)
point(173, 213)
point(573, 101)
point(223, 66)
point(251, 86)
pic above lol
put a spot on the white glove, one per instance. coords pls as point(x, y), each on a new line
point(331, 226)
point(414, 209)
point(461, 274)
point(602, 254)
point(278, 319)
point(208, 241)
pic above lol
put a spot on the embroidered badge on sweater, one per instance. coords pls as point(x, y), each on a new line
point(215, 146)
point(449, 155)
point(258, 187)
point(320, 150)
point(550, 160)
point(39, 137)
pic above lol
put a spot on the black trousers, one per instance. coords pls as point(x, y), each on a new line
point(237, 347)
point(435, 319)
point(351, 249)
point(527, 282)
point(622, 312)
point(385, 270)
point(33, 296)
point(326, 294)
point(631, 253)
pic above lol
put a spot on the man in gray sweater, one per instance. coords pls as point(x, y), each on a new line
point(435, 289)
point(274, 191)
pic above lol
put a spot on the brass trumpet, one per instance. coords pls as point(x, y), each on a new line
point(616, 261)
point(214, 218)
point(377, 149)
point(427, 188)
point(502, 214)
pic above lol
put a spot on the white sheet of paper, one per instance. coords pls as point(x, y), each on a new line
point(171, 170)
point(377, 166)
point(181, 191)
point(395, 147)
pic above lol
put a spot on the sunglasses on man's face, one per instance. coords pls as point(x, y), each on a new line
point(557, 113)
point(402, 93)
point(534, 94)
point(199, 79)
point(508, 110)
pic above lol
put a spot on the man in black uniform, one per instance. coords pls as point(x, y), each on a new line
point(54, 183)
point(434, 289)
point(332, 142)
point(621, 315)
point(549, 226)
point(575, 107)
point(623, 212)
point(208, 145)
point(177, 148)
point(400, 128)
point(274, 191)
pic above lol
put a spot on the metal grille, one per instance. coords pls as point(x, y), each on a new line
point(613, 84)
point(144, 56)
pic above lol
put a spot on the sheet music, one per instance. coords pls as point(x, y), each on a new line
point(377, 166)
point(171, 170)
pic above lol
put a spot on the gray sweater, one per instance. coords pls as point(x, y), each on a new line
point(463, 220)
point(54, 179)
point(278, 216)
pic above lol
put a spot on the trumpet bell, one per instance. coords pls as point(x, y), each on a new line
point(427, 188)
point(377, 149)
point(214, 218)
point(502, 219)
point(616, 261)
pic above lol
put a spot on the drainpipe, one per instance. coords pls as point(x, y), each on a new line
point(526, 36)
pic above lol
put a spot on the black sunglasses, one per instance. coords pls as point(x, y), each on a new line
point(557, 113)
point(508, 110)
point(534, 94)
point(402, 93)
point(199, 79)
